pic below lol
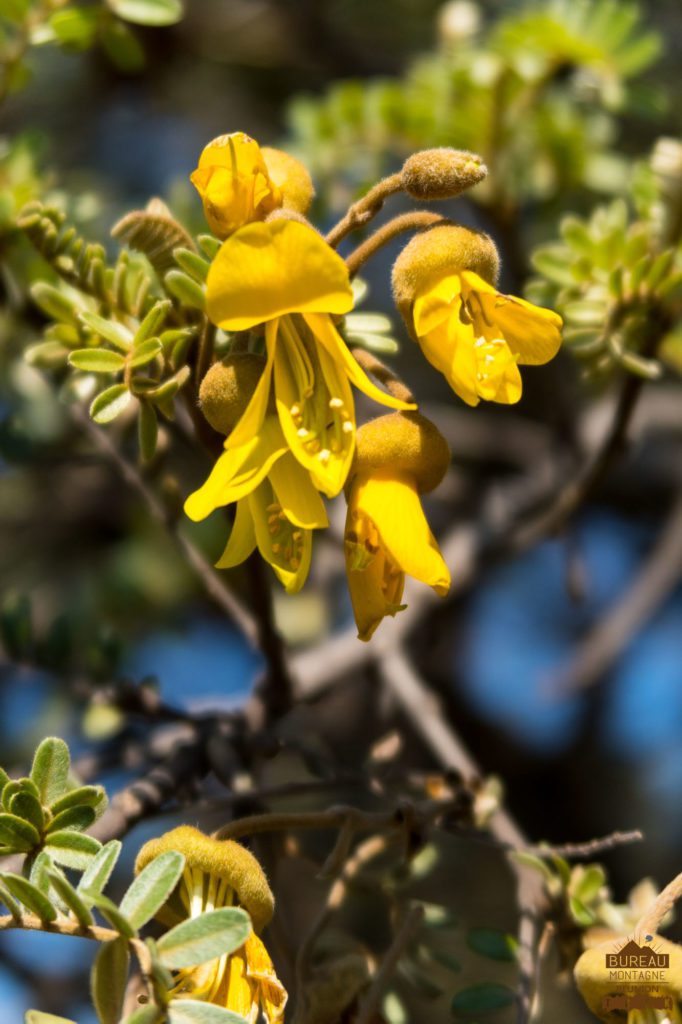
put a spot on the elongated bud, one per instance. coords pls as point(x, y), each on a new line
point(404, 443)
point(227, 388)
point(291, 178)
point(444, 249)
point(441, 173)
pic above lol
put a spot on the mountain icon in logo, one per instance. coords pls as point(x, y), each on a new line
point(632, 955)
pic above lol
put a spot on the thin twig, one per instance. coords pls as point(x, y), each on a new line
point(415, 220)
point(365, 209)
point(371, 1002)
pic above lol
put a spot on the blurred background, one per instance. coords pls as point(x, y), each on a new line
point(94, 590)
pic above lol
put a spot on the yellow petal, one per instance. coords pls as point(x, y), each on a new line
point(432, 306)
point(315, 407)
point(233, 182)
point(254, 414)
point(533, 333)
point(259, 967)
point(267, 270)
point(375, 592)
point(295, 492)
point(283, 545)
point(238, 471)
point(327, 335)
point(237, 993)
point(242, 538)
point(393, 505)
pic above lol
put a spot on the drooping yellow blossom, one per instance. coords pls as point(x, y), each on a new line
point(221, 873)
point(239, 182)
point(387, 536)
point(283, 275)
point(277, 505)
point(444, 282)
point(615, 993)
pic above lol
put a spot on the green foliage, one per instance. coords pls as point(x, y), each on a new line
point(204, 938)
point(189, 1011)
point(535, 95)
point(484, 998)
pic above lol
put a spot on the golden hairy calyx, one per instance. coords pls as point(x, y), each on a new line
point(222, 858)
point(227, 388)
point(597, 968)
point(441, 173)
point(406, 443)
point(444, 249)
point(291, 177)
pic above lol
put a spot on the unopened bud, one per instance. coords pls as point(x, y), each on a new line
point(404, 443)
point(291, 177)
point(441, 173)
point(227, 388)
point(436, 252)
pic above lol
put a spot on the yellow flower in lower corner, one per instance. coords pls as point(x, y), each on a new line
point(387, 536)
point(283, 274)
point(277, 505)
point(221, 873)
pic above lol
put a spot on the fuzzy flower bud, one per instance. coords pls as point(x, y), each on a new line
point(406, 443)
point(291, 178)
point(226, 390)
point(441, 173)
point(441, 250)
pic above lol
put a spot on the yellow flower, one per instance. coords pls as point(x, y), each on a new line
point(477, 337)
point(277, 505)
point(239, 182)
point(282, 274)
point(387, 535)
point(444, 285)
point(221, 873)
point(610, 996)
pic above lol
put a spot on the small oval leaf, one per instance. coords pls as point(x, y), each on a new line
point(152, 887)
point(204, 938)
point(110, 403)
point(50, 771)
point(108, 980)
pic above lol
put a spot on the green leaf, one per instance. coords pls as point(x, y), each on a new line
point(145, 1015)
point(77, 818)
point(381, 343)
point(152, 887)
point(588, 881)
point(193, 264)
point(75, 27)
point(204, 938)
point(145, 352)
point(484, 998)
point(50, 770)
point(72, 849)
point(210, 246)
point(394, 1009)
point(27, 806)
point(147, 430)
point(99, 870)
point(148, 12)
point(54, 302)
point(69, 895)
point(190, 1011)
point(108, 980)
point(153, 322)
point(46, 355)
point(184, 289)
point(113, 332)
point(9, 901)
point(38, 1017)
point(580, 913)
point(110, 403)
point(4, 780)
point(112, 913)
point(30, 895)
point(89, 796)
point(493, 943)
point(121, 46)
point(97, 360)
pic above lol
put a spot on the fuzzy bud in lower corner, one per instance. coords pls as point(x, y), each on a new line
point(227, 388)
point(406, 443)
point(446, 248)
point(441, 173)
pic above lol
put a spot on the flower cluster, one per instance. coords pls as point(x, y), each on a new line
point(283, 396)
